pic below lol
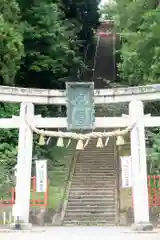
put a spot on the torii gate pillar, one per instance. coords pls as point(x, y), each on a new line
point(24, 164)
point(139, 168)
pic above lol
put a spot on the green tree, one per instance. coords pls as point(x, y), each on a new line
point(8, 146)
point(154, 152)
point(84, 14)
point(11, 40)
point(138, 25)
point(50, 45)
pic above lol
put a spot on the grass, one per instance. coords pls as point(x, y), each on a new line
point(58, 178)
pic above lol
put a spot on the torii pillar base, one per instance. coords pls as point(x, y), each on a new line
point(140, 227)
point(20, 226)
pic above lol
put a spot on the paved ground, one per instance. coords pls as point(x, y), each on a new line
point(79, 233)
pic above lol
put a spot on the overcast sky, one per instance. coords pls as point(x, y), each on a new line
point(105, 1)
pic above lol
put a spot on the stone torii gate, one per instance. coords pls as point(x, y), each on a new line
point(134, 95)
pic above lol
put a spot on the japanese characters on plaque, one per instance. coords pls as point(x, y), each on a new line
point(80, 106)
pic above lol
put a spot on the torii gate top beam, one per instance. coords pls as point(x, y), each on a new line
point(58, 97)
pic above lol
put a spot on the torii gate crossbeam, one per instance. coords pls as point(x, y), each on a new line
point(58, 97)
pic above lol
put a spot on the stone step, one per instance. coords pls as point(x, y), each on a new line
point(94, 170)
point(96, 179)
point(92, 149)
point(98, 184)
point(80, 181)
point(94, 173)
point(80, 186)
point(89, 197)
point(90, 152)
point(89, 214)
point(90, 193)
point(88, 223)
point(98, 174)
point(110, 208)
point(99, 171)
point(89, 183)
point(94, 162)
point(108, 181)
point(109, 202)
point(98, 191)
point(83, 204)
point(95, 216)
point(95, 159)
point(90, 210)
point(95, 165)
point(92, 199)
point(93, 152)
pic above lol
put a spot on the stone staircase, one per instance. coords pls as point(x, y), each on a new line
point(93, 195)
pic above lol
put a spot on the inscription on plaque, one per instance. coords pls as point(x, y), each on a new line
point(80, 106)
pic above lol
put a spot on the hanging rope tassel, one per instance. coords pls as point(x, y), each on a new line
point(86, 143)
point(80, 145)
point(41, 141)
point(48, 140)
point(99, 143)
point(69, 142)
point(60, 142)
point(106, 142)
point(120, 141)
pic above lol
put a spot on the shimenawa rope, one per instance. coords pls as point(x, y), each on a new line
point(79, 136)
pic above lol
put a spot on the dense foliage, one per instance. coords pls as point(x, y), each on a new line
point(50, 46)
point(8, 146)
point(138, 24)
point(42, 42)
point(11, 40)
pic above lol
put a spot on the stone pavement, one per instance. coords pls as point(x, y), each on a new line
point(78, 233)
